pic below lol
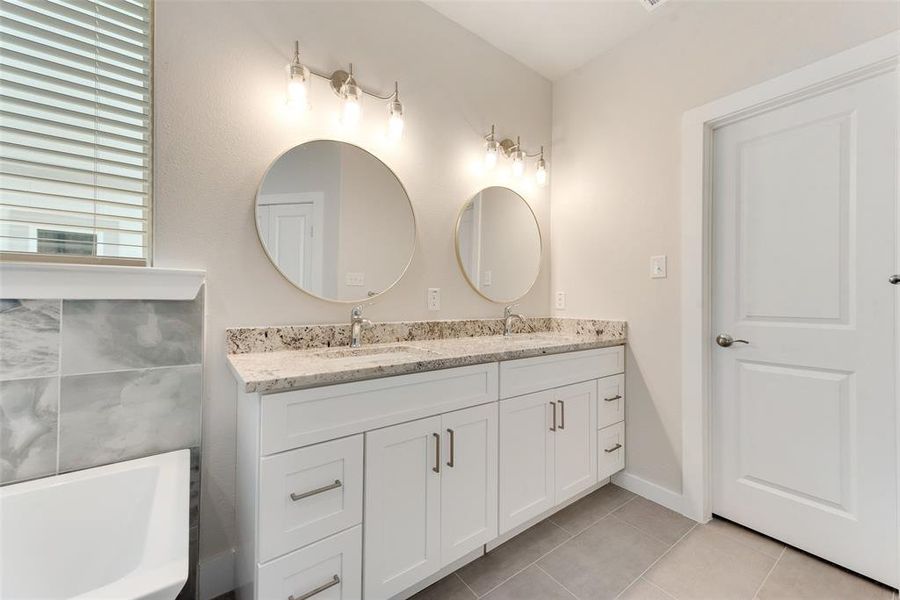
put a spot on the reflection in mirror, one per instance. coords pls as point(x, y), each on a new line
point(336, 221)
point(498, 243)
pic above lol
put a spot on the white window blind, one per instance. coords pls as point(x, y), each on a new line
point(75, 139)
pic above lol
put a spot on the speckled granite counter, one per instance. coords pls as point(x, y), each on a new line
point(262, 359)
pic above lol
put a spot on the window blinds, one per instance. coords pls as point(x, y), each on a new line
point(75, 138)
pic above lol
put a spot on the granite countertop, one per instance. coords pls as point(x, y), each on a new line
point(279, 370)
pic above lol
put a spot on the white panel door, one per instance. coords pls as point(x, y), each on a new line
point(468, 480)
point(402, 516)
point(804, 415)
point(576, 439)
point(526, 458)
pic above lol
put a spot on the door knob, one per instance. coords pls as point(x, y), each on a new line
point(725, 340)
point(895, 279)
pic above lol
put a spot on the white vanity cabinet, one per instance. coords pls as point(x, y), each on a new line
point(371, 489)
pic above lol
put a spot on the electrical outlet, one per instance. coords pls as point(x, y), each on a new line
point(433, 299)
point(561, 300)
point(658, 267)
point(355, 279)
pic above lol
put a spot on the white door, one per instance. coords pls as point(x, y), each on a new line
point(576, 439)
point(526, 458)
point(468, 480)
point(287, 231)
point(804, 415)
point(402, 499)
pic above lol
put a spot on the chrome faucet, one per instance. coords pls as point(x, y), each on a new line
point(508, 316)
point(357, 323)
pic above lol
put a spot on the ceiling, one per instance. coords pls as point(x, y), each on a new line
point(552, 37)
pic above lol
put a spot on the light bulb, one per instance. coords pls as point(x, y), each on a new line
point(351, 96)
point(541, 174)
point(395, 120)
point(298, 91)
point(491, 152)
point(518, 163)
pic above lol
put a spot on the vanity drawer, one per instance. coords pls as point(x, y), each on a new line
point(610, 400)
point(526, 375)
point(299, 418)
point(308, 494)
point(335, 562)
point(610, 450)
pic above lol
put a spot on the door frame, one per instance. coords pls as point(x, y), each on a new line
point(878, 56)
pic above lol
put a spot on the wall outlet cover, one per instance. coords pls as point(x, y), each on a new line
point(433, 299)
point(560, 300)
point(658, 267)
point(355, 279)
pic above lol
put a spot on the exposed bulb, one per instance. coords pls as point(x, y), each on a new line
point(351, 100)
point(395, 120)
point(298, 89)
point(491, 153)
point(518, 163)
point(541, 174)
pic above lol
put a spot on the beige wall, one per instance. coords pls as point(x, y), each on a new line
point(615, 176)
point(219, 89)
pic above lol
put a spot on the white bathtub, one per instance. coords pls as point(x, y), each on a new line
point(119, 531)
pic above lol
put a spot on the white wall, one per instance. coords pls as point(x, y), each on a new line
point(615, 177)
point(219, 86)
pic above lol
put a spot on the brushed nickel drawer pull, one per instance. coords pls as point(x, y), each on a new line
point(613, 399)
point(334, 581)
point(437, 453)
point(562, 414)
point(613, 449)
point(324, 488)
point(553, 407)
point(452, 447)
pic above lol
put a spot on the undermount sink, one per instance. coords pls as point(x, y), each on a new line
point(344, 353)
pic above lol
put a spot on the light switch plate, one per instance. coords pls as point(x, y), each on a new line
point(658, 267)
point(487, 277)
point(355, 279)
point(433, 299)
point(561, 300)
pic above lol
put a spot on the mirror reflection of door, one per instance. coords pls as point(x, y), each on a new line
point(290, 225)
point(470, 237)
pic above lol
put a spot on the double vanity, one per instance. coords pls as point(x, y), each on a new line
point(371, 472)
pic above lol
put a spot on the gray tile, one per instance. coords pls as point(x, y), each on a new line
point(530, 584)
point(799, 576)
point(748, 537)
point(29, 338)
point(109, 335)
point(582, 514)
point(503, 562)
point(708, 565)
point(109, 417)
point(28, 426)
point(603, 560)
point(450, 587)
point(658, 521)
point(644, 590)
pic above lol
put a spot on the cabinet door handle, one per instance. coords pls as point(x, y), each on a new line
point(324, 488)
point(553, 408)
point(613, 399)
point(437, 453)
point(613, 449)
point(562, 414)
point(334, 581)
point(452, 447)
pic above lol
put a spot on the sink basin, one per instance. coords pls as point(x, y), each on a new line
point(344, 353)
point(118, 531)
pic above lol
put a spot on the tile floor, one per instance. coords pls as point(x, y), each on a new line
point(613, 544)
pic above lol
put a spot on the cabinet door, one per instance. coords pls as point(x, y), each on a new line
point(526, 458)
point(402, 499)
point(576, 439)
point(468, 480)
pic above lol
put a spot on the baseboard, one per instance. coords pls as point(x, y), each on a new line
point(216, 575)
point(650, 491)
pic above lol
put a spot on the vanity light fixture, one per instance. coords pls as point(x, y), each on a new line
point(514, 151)
point(347, 88)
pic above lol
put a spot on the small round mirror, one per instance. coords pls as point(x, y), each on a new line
point(498, 244)
point(335, 221)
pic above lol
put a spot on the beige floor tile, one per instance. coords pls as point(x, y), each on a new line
point(450, 587)
point(658, 521)
point(603, 560)
point(755, 540)
point(644, 590)
point(707, 565)
point(503, 562)
point(799, 576)
point(532, 583)
point(580, 515)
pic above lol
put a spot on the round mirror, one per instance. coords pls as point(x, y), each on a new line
point(335, 221)
point(498, 244)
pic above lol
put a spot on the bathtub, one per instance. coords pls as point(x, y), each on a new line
point(118, 531)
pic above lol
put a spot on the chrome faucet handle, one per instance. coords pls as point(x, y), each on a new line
point(356, 312)
point(508, 310)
